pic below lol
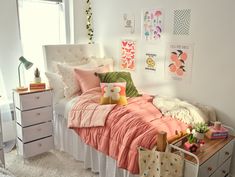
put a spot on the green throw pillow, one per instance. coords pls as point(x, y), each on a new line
point(111, 77)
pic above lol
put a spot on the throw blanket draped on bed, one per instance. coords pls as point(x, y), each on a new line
point(128, 127)
point(181, 110)
point(87, 112)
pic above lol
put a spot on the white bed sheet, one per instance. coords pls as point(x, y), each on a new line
point(68, 141)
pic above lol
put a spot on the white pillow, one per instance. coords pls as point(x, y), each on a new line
point(104, 61)
point(83, 61)
point(55, 82)
point(71, 85)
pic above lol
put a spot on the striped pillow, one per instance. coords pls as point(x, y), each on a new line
point(111, 77)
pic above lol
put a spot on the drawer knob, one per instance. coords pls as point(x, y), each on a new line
point(39, 144)
point(37, 97)
point(223, 171)
point(39, 129)
point(209, 169)
point(38, 114)
point(227, 153)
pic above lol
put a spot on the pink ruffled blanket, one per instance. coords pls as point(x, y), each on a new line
point(87, 112)
point(128, 127)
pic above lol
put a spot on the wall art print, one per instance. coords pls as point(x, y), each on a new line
point(151, 61)
point(152, 24)
point(128, 49)
point(178, 65)
point(128, 22)
point(182, 20)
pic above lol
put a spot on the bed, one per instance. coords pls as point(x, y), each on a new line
point(67, 139)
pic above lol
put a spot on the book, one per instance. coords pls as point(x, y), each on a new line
point(35, 86)
point(217, 134)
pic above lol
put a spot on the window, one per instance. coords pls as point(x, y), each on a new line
point(2, 93)
point(41, 23)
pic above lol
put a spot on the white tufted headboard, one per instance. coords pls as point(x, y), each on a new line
point(69, 53)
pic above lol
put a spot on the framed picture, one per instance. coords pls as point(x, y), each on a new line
point(152, 24)
point(178, 64)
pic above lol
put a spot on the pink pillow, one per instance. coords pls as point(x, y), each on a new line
point(87, 78)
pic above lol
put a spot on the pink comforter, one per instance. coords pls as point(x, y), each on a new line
point(87, 112)
point(128, 127)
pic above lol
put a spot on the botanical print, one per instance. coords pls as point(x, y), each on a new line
point(150, 63)
point(182, 20)
point(128, 54)
point(152, 24)
point(129, 23)
point(179, 62)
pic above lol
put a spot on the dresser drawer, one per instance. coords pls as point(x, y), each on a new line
point(33, 100)
point(34, 132)
point(35, 147)
point(225, 152)
point(207, 168)
point(223, 171)
point(27, 118)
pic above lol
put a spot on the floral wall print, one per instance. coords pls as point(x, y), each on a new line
point(127, 60)
point(152, 25)
point(129, 22)
point(182, 20)
point(178, 65)
point(150, 62)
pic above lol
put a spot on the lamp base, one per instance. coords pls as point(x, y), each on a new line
point(21, 89)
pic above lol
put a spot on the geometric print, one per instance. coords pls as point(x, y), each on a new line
point(182, 22)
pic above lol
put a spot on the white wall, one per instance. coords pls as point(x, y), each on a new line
point(212, 33)
point(80, 34)
point(10, 46)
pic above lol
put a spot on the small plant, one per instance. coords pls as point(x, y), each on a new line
point(37, 72)
point(191, 138)
point(201, 127)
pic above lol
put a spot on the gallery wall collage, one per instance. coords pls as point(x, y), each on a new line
point(178, 56)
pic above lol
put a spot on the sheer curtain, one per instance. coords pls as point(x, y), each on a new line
point(41, 22)
point(8, 126)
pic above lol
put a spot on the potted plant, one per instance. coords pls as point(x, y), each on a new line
point(200, 130)
point(37, 78)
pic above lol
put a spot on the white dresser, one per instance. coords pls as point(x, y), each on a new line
point(34, 115)
point(214, 159)
point(1, 143)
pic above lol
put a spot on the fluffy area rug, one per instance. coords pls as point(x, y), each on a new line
point(49, 164)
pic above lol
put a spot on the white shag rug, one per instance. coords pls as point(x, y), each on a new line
point(49, 164)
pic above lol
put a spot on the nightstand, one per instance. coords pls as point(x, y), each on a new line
point(34, 115)
point(2, 159)
point(214, 159)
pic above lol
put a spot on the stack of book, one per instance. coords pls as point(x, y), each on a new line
point(35, 86)
point(214, 133)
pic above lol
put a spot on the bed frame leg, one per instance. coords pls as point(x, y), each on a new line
point(161, 141)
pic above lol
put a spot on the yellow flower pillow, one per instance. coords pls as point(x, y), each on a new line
point(113, 93)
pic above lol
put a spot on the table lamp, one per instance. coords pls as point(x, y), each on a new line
point(27, 64)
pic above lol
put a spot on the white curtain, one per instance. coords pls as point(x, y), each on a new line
point(8, 126)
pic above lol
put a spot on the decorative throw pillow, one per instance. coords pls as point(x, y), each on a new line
point(87, 78)
point(112, 77)
point(55, 82)
point(71, 85)
point(113, 93)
